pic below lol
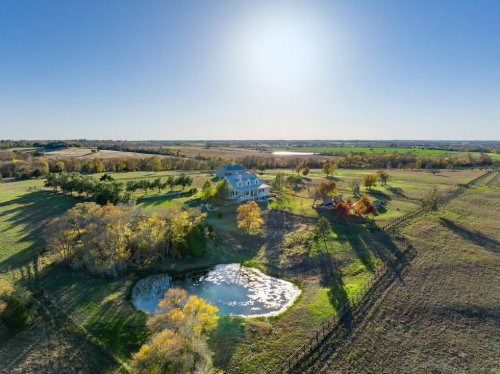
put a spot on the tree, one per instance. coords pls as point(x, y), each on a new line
point(180, 227)
point(112, 192)
point(171, 182)
point(301, 165)
point(52, 180)
point(355, 185)
point(207, 192)
point(383, 176)
point(154, 164)
point(106, 178)
point(278, 184)
point(344, 207)
point(323, 229)
point(431, 199)
point(294, 183)
point(328, 167)
point(249, 217)
point(370, 181)
point(305, 171)
point(178, 342)
point(325, 190)
point(222, 191)
point(59, 167)
point(157, 184)
point(363, 206)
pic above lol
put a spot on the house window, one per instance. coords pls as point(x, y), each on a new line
point(256, 181)
point(239, 184)
point(248, 183)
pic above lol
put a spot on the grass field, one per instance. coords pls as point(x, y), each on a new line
point(285, 250)
point(381, 150)
point(443, 315)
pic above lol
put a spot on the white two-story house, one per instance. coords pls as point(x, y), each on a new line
point(244, 184)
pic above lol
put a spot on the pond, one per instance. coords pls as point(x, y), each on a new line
point(236, 290)
point(292, 153)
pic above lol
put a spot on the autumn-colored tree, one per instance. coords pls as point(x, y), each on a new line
point(328, 167)
point(344, 207)
point(325, 190)
point(383, 176)
point(363, 206)
point(178, 342)
point(59, 167)
point(249, 217)
point(108, 239)
point(181, 225)
point(370, 181)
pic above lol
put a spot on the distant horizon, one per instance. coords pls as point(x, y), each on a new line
point(259, 140)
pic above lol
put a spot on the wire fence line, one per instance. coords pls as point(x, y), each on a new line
point(442, 201)
point(382, 277)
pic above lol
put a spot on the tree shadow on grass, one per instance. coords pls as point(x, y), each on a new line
point(332, 278)
point(379, 195)
point(224, 339)
point(398, 191)
point(31, 212)
point(473, 236)
point(146, 201)
point(100, 304)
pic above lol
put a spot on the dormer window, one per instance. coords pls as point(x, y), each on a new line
point(248, 183)
point(239, 184)
point(256, 181)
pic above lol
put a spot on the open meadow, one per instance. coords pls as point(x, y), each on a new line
point(442, 314)
point(328, 273)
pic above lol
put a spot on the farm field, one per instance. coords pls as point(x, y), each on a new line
point(414, 151)
point(88, 153)
point(285, 249)
point(443, 315)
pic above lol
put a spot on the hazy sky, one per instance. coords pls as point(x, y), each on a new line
point(250, 69)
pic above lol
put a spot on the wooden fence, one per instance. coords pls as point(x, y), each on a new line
point(350, 308)
point(383, 273)
point(442, 201)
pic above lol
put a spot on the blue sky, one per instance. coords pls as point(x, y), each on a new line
point(250, 69)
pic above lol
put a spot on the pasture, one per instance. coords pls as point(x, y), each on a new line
point(328, 275)
point(442, 315)
point(381, 150)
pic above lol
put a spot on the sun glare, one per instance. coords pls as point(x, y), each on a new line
point(280, 52)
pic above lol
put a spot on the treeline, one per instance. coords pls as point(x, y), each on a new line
point(171, 181)
point(103, 191)
point(369, 161)
point(106, 190)
point(108, 240)
point(25, 166)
